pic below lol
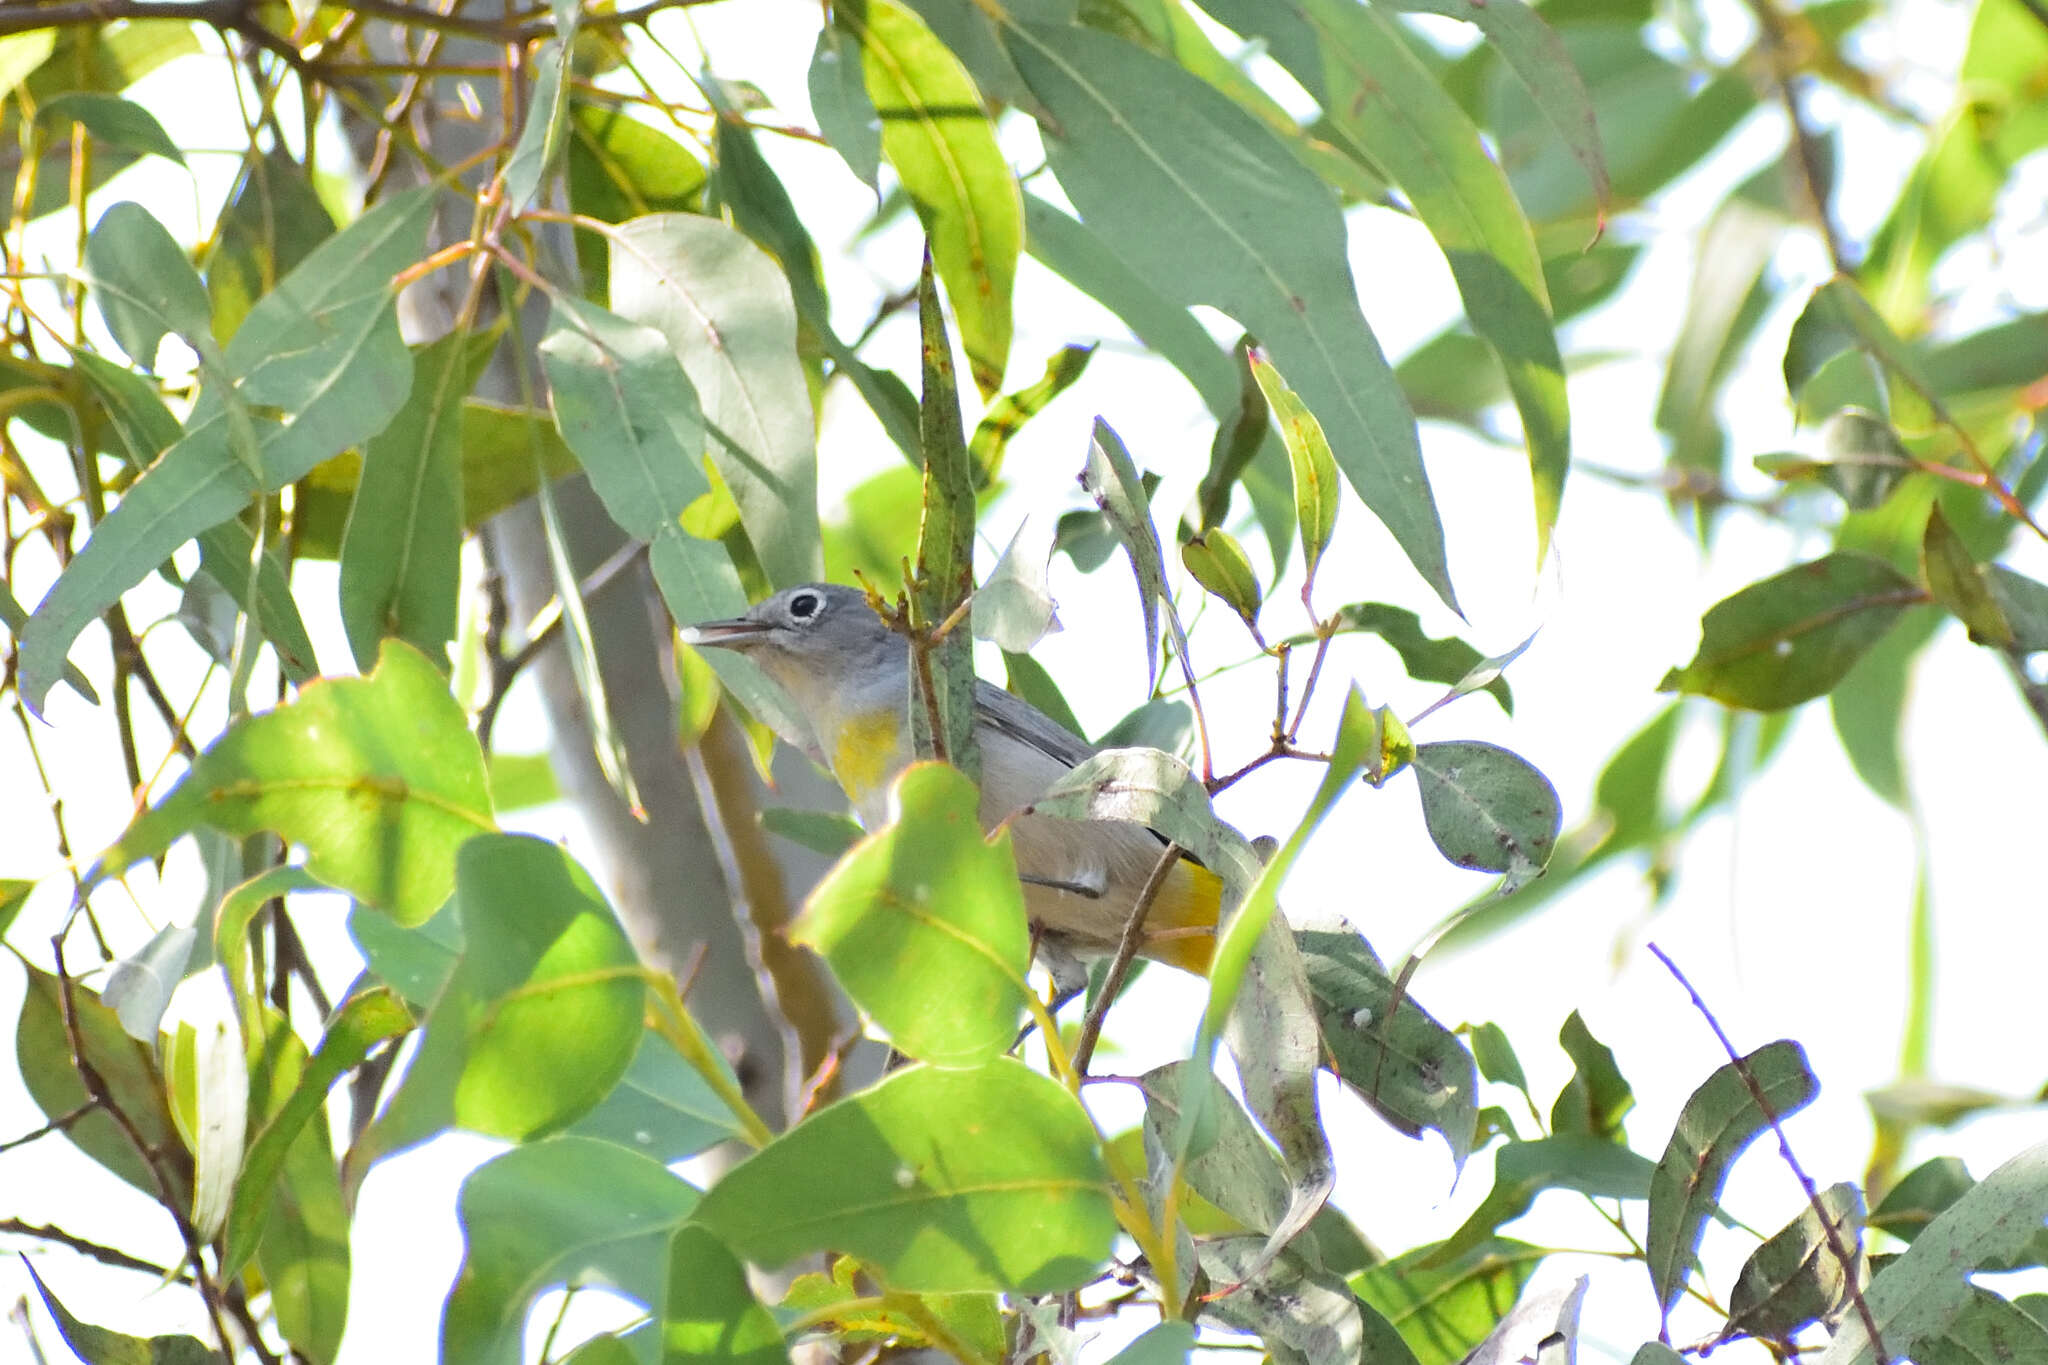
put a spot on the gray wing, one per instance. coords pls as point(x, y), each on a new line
point(1027, 724)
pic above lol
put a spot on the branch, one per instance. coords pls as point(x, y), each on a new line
point(1805, 144)
point(517, 28)
point(1126, 950)
point(105, 1255)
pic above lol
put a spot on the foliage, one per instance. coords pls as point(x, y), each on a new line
point(374, 345)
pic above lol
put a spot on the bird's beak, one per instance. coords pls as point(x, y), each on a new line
point(737, 633)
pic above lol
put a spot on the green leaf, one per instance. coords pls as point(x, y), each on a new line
point(378, 778)
point(944, 692)
point(1522, 1170)
point(401, 554)
point(1487, 808)
point(416, 961)
point(1928, 1189)
point(362, 1021)
point(1411, 1069)
point(1921, 1296)
point(726, 311)
point(1718, 1122)
point(1956, 584)
point(1129, 136)
point(101, 1346)
point(1229, 1162)
point(1025, 678)
point(1795, 1277)
point(1012, 608)
point(661, 1108)
point(567, 1210)
point(1793, 636)
point(1987, 1328)
point(14, 616)
point(839, 98)
point(709, 1315)
point(1166, 1344)
point(946, 1181)
point(1836, 319)
point(1598, 1097)
point(2023, 603)
point(1302, 1315)
point(938, 136)
point(146, 428)
point(822, 832)
point(924, 925)
point(1444, 1309)
point(616, 167)
point(1495, 1056)
point(143, 282)
point(1308, 454)
point(1007, 415)
point(324, 347)
point(545, 129)
point(1111, 478)
point(1537, 56)
point(1220, 565)
point(543, 1012)
point(112, 120)
point(43, 1052)
point(303, 1255)
point(747, 186)
point(272, 223)
point(1355, 61)
point(1425, 657)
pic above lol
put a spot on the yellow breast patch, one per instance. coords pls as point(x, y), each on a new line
point(865, 750)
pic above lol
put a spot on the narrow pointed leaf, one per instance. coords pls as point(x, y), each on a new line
point(1008, 414)
point(1308, 455)
point(839, 97)
point(113, 121)
point(1445, 1310)
point(1220, 565)
point(1955, 582)
point(103, 1346)
point(1716, 1125)
point(1356, 63)
point(726, 310)
point(401, 554)
point(945, 550)
point(1129, 135)
point(1111, 478)
point(362, 1021)
point(937, 134)
point(547, 117)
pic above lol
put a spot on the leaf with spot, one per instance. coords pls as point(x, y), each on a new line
point(1791, 637)
point(1716, 1125)
point(1487, 808)
point(1925, 1295)
point(1795, 1277)
point(1409, 1068)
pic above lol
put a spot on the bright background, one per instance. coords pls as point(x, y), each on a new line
point(1790, 911)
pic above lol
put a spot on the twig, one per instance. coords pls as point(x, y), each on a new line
point(55, 1125)
point(1805, 146)
point(105, 1255)
point(522, 26)
point(546, 624)
point(1126, 950)
point(1843, 1255)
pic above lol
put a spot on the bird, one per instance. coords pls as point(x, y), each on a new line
point(848, 675)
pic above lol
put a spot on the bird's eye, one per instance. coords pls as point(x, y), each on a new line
point(804, 606)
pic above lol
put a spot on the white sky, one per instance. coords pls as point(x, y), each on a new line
point(1790, 916)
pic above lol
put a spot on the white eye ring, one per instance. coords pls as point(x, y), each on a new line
point(804, 607)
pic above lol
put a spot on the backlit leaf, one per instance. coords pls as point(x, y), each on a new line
point(946, 1181)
